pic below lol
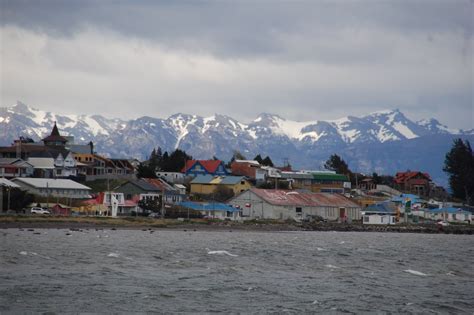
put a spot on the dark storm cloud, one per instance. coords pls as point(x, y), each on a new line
point(300, 59)
point(249, 28)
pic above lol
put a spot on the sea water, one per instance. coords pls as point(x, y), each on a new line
point(234, 272)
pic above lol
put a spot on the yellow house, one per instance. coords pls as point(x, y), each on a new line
point(207, 184)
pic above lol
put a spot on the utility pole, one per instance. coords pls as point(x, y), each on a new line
point(8, 203)
point(1, 198)
point(163, 203)
point(47, 194)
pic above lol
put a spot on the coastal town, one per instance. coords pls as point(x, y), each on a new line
point(58, 177)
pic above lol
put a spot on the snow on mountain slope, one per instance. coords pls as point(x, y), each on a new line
point(217, 132)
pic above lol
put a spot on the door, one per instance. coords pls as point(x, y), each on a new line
point(342, 213)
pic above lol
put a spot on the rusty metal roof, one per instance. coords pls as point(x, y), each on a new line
point(282, 197)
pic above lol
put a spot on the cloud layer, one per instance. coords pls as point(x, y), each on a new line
point(300, 60)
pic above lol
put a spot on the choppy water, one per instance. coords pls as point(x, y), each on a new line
point(238, 272)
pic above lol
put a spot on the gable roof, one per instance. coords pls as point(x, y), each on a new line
point(160, 184)
point(142, 184)
point(280, 197)
point(209, 165)
point(41, 162)
point(401, 177)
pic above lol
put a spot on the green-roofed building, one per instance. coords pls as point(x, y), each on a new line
point(318, 181)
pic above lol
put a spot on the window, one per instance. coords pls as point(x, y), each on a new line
point(299, 210)
point(366, 218)
point(242, 183)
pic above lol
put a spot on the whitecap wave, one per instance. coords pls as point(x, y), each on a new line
point(220, 252)
point(115, 255)
point(332, 267)
point(416, 273)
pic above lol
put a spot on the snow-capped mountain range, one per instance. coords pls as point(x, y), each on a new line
point(305, 144)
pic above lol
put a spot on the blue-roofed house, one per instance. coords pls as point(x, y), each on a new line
point(213, 210)
point(382, 213)
point(450, 214)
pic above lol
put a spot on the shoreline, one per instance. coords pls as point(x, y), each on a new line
point(74, 223)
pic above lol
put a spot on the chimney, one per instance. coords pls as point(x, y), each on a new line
point(92, 147)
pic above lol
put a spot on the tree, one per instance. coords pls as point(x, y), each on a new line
point(258, 158)
point(336, 163)
point(153, 205)
point(236, 156)
point(459, 164)
point(19, 199)
point(222, 193)
point(267, 161)
point(377, 179)
point(175, 162)
point(146, 170)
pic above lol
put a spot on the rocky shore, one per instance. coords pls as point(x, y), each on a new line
point(48, 222)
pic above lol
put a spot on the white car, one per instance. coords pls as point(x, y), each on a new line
point(38, 210)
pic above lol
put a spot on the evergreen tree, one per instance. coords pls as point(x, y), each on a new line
point(146, 170)
point(336, 163)
point(377, 179)
point(267, 161)
point(175, 161)
point(238, 156)
point(258, 158)
point(459, 164)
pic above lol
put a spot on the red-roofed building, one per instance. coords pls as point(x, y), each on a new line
point(413, 182)
point(204, 167)
point(291, 204)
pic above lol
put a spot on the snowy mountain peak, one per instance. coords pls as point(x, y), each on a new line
point(217, 131)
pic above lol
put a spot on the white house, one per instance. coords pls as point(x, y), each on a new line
point(288, 204)
point(449, 214)
point(213, 210)
point(383, 213)
point(65, 164)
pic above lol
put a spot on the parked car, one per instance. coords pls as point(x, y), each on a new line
point(154, 215)
point(38, 210)
point(442, 223)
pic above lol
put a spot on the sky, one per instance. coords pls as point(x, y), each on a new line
point(302, 60)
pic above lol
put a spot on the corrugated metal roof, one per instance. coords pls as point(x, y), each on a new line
point(384, 207)
point(202, 179)
point(217, 180)
point(293, 198)
point(335, 177)
point(50, 183)
point(207, 206)
point(231, 180)
point(449, 210)
point(8, 183)
point(43, 163)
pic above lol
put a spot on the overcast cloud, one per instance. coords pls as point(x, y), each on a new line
point(301, 60)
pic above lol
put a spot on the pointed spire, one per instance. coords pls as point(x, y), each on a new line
point(55, 131)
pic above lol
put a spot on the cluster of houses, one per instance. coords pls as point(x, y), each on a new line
point(57, 168)
point(57, 156)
